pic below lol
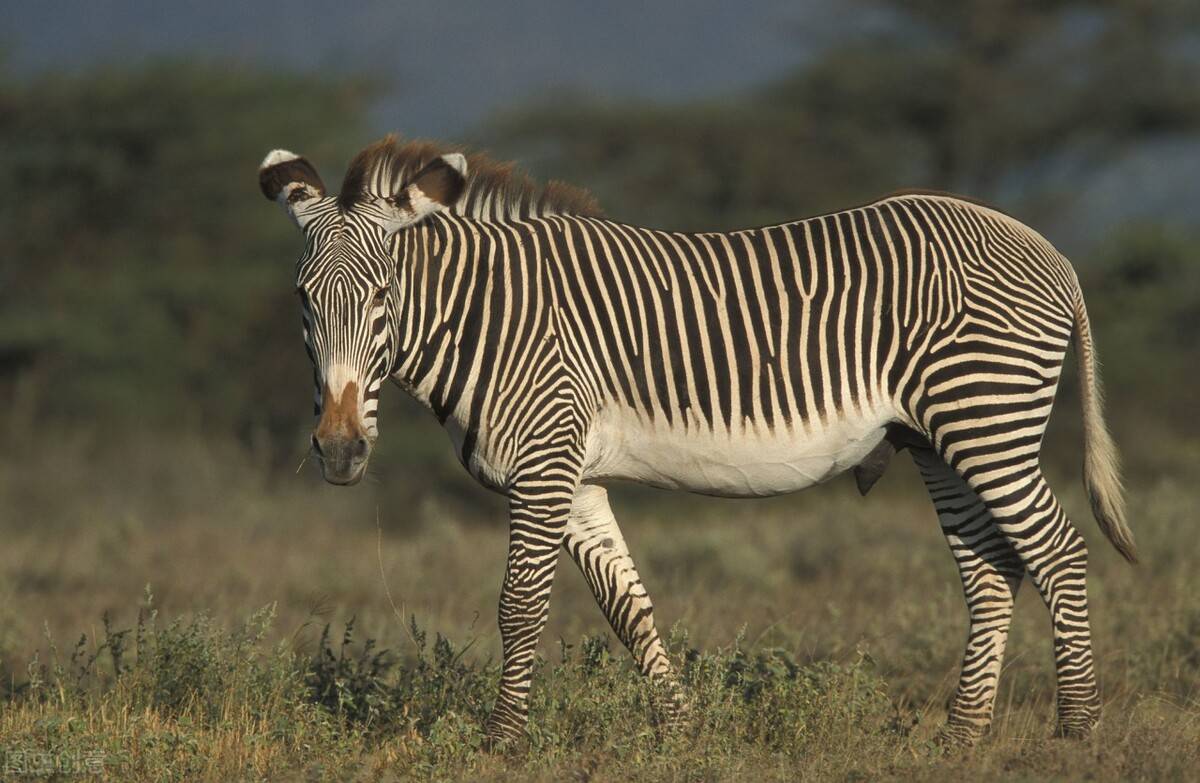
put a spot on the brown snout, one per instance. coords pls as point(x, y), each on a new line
point(339, 439)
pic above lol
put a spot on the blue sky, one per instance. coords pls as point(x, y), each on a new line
point(450, 64)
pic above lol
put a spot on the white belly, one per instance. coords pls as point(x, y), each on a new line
point(752, 463)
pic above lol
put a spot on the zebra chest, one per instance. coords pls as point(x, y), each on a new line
point(486, 455)
point(755, 462)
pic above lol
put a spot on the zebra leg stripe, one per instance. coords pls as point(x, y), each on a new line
point(539, 507)
point(991, 574)
point(1030, 517)
point(595, 543)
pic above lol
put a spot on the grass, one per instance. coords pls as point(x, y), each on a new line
point(297, 631)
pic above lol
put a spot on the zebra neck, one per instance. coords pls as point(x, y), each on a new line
point(446, 273)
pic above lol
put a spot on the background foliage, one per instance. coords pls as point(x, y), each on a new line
point(141, 283)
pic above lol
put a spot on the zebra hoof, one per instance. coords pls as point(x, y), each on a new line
point(670, 711)
point(958, 736)
point(1075, 729)
point(671, 727)
point(502, 744)
point(499, 737)
point(1077, 722)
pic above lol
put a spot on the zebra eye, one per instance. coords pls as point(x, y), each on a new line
point(380, 297)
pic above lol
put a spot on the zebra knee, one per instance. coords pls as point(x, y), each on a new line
point(1060, 570)
point(990, 597)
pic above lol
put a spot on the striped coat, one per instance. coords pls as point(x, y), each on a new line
point(563, 351)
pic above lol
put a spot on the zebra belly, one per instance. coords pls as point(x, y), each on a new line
point(753, 463)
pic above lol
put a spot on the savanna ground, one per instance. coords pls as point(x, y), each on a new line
point(165, 613)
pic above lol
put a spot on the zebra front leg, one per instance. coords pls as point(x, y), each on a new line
point(538, 512)
point(991, 574)
point(594, 541)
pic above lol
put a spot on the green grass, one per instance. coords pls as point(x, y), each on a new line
point(297, 631)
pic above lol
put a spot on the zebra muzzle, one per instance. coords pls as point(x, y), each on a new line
point(340, 441)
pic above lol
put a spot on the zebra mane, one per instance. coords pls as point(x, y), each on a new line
point(493, 190)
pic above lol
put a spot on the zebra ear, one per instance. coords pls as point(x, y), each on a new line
point(436, 187)
point(441, 182)
point(290, 180)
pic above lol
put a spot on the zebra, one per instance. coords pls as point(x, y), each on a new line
point(563, 351)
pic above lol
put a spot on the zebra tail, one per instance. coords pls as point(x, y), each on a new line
point(1101, 465)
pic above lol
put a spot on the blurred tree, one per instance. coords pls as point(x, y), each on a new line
point(973, 97)
point(1018, 82)
point(143, 276)
point(1145, 287)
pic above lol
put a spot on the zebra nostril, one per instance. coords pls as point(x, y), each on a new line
point(316, 446)
point(361, 447)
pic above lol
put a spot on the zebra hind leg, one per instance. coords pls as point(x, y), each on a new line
point(1027, 513)
point(594, 542)
point(991, 574)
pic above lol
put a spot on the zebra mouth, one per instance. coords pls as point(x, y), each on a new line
point(344, 477)
point(343, 459)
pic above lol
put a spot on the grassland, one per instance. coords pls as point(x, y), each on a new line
point(162, 618)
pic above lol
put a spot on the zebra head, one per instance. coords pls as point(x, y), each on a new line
point(346, 281)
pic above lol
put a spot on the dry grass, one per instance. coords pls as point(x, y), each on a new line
point(832, 579)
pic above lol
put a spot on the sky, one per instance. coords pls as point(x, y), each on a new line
point(450, 64)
